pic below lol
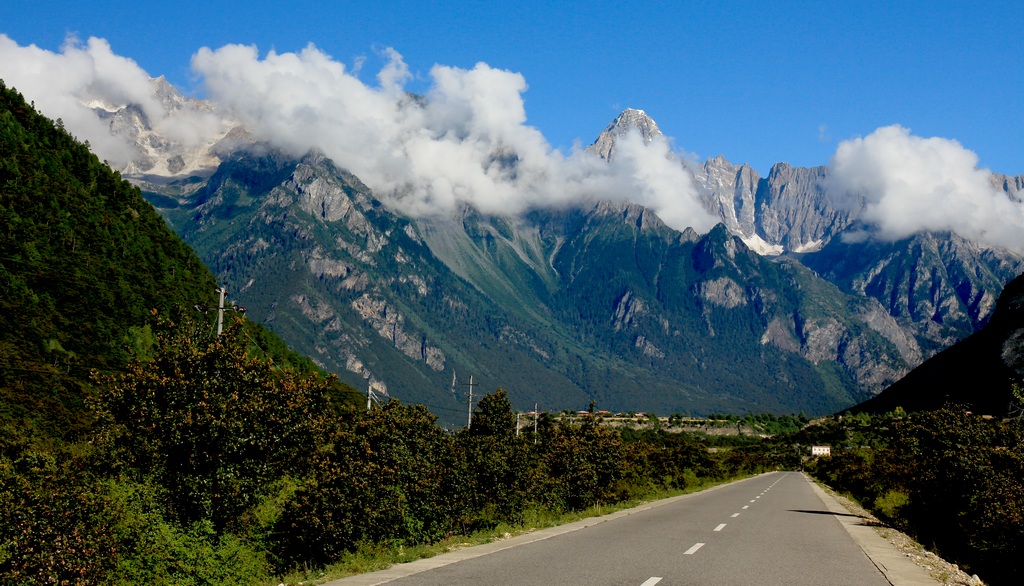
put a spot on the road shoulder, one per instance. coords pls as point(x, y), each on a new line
point(897, 568)
point(407, 569)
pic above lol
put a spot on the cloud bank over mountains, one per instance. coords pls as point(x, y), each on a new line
point(467, 141)
point(70, 84)
point(912, 184)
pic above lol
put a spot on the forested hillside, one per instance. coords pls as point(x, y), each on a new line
point(83, 261)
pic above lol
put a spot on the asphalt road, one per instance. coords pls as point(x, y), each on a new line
point(772, 529)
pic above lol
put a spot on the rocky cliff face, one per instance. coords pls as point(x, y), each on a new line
point(796, 210)
point(628, 120)
point(155, 152)
point(939, 287)
point(729, 191)
point(591, 300)
point(1012, 186)
point(789, 211)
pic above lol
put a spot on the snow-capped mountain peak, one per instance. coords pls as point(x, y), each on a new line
point(629, 119)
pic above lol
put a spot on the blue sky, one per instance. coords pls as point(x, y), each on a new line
point(757, 82)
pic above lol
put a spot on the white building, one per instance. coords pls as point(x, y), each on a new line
point(821, 451)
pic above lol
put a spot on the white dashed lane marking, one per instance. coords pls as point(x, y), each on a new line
point(693, 549)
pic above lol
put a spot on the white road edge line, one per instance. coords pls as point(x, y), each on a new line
point(693, 549)
point(720, 527)
point(651, 581)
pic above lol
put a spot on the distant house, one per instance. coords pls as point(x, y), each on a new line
point(821, 451)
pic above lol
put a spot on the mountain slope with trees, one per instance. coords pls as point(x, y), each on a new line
point(85, 264)
point(83, 260)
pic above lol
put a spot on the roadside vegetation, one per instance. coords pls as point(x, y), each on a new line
point(209, 464)
point(951, 479)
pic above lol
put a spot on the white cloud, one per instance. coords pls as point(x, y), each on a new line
point(909, 184)
point(61, 85)
point(465, 142)
point(70, 84)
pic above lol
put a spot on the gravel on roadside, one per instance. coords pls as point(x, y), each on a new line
point(945, 572)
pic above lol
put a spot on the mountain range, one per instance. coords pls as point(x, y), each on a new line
point(784, 306)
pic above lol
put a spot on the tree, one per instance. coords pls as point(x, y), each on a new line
point(212, 424)
point(582, 463)
point(390, 474)
point(498, 462)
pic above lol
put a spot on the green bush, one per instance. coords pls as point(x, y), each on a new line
point(888, 505)
point(499, 466)
point(55, 525)
point(390, 474)
point(581, 465)
point(210, 423)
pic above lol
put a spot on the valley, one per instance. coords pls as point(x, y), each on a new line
point(776, 310)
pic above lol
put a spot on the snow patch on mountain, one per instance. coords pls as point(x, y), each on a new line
point(760, 246)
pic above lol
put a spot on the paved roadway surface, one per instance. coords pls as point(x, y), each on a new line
point(777, 528)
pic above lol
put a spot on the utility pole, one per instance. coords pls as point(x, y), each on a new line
point(371, 397)
point(469, 421)
point(536, 416)
point(220, 309)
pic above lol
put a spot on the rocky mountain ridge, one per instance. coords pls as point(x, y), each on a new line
point(917, 296)
point(629, 120)
point(605, 303)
